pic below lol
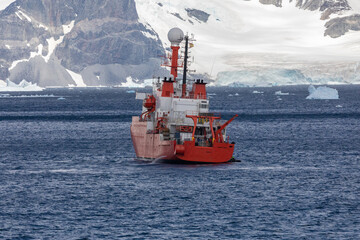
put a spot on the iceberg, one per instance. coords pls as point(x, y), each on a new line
point(280, 93)
point(23, 86)
point(257, 92)
point(322, 93)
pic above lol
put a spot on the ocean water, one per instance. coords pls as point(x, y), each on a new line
point(68, 169)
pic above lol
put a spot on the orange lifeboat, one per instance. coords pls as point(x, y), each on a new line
point(150, 102)
point(150, 105)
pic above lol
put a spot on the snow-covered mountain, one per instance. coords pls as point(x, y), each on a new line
point(239, 42)
point(70, 42)
point(259, 42)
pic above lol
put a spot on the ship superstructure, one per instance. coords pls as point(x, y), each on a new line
point(175, 123)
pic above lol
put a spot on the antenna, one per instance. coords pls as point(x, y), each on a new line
point(185, 66)
point(175, 36)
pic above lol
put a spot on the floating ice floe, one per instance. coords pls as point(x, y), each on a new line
point(257, 92)
point(2, 95)
point(130, 91)
point(280, 93)
point(322, 93)
point(23, 86)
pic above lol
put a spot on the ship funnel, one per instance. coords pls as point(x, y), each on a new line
point(175, 36)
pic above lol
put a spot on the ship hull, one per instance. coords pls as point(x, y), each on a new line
point(218, 153)
point(149, 145)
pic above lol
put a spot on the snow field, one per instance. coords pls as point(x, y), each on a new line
point(247, 34)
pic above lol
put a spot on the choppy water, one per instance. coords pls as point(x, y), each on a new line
point(68, 170)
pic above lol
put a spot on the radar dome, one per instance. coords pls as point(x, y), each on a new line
point(175, 36)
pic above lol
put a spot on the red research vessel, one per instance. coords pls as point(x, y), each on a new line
point(175, 123)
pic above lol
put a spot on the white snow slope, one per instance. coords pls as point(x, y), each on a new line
point(247, 35)
point(5, 3)
point(355, 5)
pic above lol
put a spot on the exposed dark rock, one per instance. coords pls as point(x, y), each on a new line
point(339, 26)
point(198, 14)
point(90, 43)
point(178, 16)
point(313, 5)
point(335, 6)
point(277, 3)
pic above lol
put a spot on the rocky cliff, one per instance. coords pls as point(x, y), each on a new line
point(44, 41)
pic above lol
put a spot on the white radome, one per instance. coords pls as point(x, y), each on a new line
point(175, 36)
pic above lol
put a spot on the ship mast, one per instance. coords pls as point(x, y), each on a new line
point(185, 67)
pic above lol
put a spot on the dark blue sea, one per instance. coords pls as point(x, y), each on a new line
point(68, 169)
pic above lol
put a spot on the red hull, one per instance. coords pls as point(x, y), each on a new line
point(218, 153)
point(148, 145)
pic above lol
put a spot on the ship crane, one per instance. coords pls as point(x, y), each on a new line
point(218, 133)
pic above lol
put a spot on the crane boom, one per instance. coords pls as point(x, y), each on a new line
point(218, 134)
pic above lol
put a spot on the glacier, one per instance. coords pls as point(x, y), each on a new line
point(232, 44)
point(322, 92)
point(269, 77)
point(260, 78)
